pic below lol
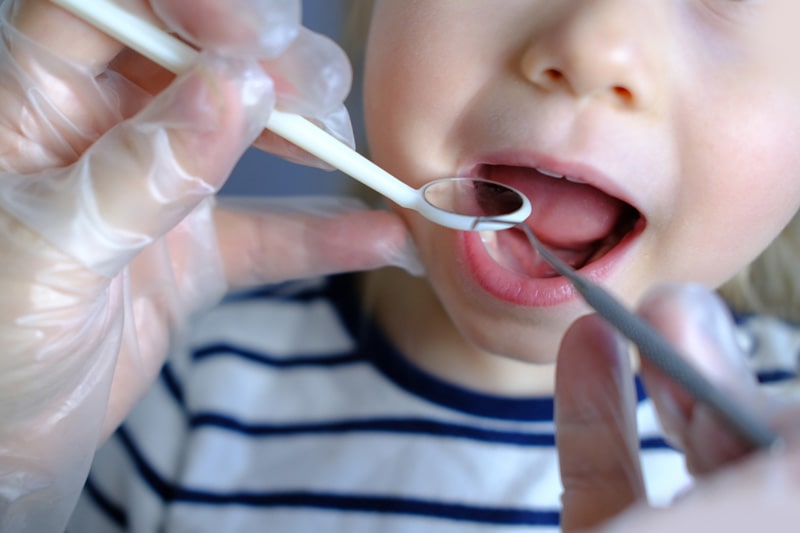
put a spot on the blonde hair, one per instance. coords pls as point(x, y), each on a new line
point(770, 284)
point(357, 17)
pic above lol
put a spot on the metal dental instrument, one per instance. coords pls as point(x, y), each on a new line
point(458, 203)
point(658, 351)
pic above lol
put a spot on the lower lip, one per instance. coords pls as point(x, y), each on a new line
point(513, 288)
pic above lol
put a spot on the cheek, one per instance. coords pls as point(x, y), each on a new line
point(419, 80)
point(406, 126)
point(739, 188)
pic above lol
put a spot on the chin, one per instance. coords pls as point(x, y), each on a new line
point(504, 329)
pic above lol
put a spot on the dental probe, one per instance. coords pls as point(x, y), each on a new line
point(657, 350)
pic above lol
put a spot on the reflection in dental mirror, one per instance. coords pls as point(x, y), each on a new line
point(473, 204)
point(473, 197)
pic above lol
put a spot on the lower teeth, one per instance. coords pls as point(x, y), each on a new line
point(521, 259)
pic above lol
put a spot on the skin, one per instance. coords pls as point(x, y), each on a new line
point(737, 489)
point(688, 110)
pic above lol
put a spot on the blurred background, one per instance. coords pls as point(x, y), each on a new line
point(259, 173)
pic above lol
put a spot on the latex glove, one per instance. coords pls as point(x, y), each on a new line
point(596, 427)
point(108, 234)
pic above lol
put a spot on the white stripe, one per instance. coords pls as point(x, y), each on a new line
point(247, 520)
point(277, 327)
point(161, 427)
point(665, 475)
point(379, 464)
point(266, 394)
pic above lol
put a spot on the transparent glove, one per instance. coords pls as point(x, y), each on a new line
point(596, 424)
point(108, 231)
point(312, 75)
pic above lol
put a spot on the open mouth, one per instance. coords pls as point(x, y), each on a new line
point(577, 221)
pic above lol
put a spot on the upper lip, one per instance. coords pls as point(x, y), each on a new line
point(552, 166)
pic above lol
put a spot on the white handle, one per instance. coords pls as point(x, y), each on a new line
point(176, 56)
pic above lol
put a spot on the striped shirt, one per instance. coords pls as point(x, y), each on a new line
point(291, 412)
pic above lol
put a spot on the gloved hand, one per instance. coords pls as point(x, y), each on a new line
point(108, 231)
point(596, 428)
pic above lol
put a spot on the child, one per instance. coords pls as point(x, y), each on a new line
point(394, 401)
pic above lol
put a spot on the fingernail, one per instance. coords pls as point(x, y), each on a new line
point(236, 28)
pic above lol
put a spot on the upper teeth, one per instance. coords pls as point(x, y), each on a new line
point(549, 173)
point(559, 176)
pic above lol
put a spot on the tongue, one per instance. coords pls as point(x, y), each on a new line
point(566, 215)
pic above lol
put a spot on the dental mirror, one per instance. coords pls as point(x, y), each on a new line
point(459, 203)
point(462, 203)
point(652, 345)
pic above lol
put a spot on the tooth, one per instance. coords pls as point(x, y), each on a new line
point(574, 180)
point(489, 239)
point(548, 173)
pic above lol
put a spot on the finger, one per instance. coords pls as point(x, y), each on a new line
point(700, 326)
point(270, 245)
point(54, 102)
point(313, 77)
point(67, 36)
point(336, 123)
point(147, 173)
point(145, 74)
point(596, 425)
point(251, 28)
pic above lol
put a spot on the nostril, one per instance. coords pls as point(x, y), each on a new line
point(623, 94)
point(553, 75)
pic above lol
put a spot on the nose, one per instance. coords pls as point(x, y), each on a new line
point(597, 49)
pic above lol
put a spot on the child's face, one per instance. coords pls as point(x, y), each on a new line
point(682, 118)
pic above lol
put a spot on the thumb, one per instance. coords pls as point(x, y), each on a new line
point(596, 425)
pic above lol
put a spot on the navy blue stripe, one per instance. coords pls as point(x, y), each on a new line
point(376, 425)
point(303, 290)
point(742, 317)
point(379, 504)
point(227, 350)
point(164, 489)
point(654, 443)
point(170, 492)
point(172, 384)
point(776, 376)
point(395, 368)
point(113, 511)
point(392, 425)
